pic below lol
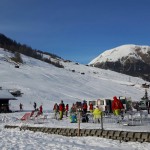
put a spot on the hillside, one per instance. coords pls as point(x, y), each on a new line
point(17, 48)
point(47, 84)
point(129, 59)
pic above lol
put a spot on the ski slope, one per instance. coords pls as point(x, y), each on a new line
point(47, 84)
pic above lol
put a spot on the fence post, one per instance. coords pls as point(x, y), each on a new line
point(79, 116)
point(102, 121)
point(141, 117)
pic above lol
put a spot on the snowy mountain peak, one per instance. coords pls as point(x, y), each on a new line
point(128, 59)
point(115, 54)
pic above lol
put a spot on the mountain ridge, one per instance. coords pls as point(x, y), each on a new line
point(14, 47)
point(129, 59)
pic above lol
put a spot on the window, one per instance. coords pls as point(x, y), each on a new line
point(101, 102)
point(93, 102)
point(123, 101)
point(108, 101)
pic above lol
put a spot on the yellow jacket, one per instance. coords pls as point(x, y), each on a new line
point(97, 113)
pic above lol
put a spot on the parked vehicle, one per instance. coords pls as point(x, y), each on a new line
point(144, 104)
point(105, 103)
point(127, 102)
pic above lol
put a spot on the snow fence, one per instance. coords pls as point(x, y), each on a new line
point(110, 134)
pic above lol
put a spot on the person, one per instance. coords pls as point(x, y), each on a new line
point(21, 107)
point(117, 106)
point(85, 117)
point(91, 107)
point(97, 113)
point(61, 109)
point(84, 107)
point(107, 110)
point(40, 110)
point(73, 109)
point(148, 106)
point(34, 105)
point(56, 109)
point(67, 109)
point(73, 118)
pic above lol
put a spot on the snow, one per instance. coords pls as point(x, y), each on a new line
point(45, 84)
point(117, 53)
point(6, 95)
point(27, 140)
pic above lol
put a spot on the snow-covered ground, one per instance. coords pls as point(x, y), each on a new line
point(14, 139)
point(45, 84)
point(27, 140)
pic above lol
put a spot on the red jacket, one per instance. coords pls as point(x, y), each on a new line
point(55, 107)
point(41, 109)
point(84, 106)
point(91, 107)
point(61, 107)
point(117, 104)
point(67, 107)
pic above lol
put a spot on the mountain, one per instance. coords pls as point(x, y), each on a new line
point(17, 48)
point(128, 59)
point(47, 84)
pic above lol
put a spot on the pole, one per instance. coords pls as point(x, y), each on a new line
point(102, 121)
point(79, 113)
point(141, 117)
point(132, 118)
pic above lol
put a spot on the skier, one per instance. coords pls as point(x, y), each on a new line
point(56, 109)
point(40, 110)
point(84, 107)
point(97, 114)
point(21, 107)
point(67, 109)
point(73, 118)
point(34, 105)
point(117, 106)
point(91, 107)
point(73, 109)
point(61, 109)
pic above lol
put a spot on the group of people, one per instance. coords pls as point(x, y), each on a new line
point(36, 112)
point(61, 110)
point(97, 113)
point(83, 109)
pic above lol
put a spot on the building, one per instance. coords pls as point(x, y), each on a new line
point(5, 96)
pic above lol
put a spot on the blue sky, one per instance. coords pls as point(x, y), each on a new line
point(78, 30)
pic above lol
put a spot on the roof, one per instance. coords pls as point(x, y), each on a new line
point(5, 95)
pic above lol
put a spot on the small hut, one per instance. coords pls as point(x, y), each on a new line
point(5, 96)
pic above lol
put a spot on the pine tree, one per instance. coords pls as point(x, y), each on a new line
point(17, 58)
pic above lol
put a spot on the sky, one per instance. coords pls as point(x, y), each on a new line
point(78, 30)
